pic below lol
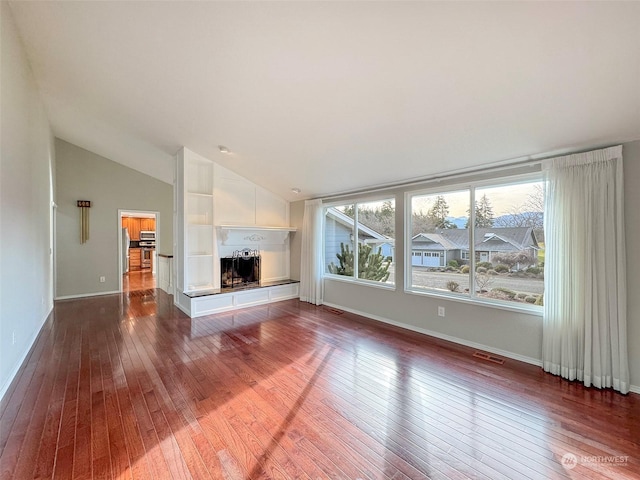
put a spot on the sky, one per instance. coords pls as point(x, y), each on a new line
point(502, 199)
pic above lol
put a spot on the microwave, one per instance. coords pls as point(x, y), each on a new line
point(147, 235)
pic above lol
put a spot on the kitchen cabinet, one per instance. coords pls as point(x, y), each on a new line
point(148, 224)
point(135, 258)
point(133, 225)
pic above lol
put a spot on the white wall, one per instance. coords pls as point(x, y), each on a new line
point(517, 334)
point(83, 175)
point(238, 201)
point(26, 164)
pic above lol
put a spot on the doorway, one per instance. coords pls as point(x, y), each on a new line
point(139, 239)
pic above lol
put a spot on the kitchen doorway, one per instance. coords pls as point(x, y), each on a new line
point(139, 238)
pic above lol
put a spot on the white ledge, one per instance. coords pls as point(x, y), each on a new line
point(257, 228)
point(253, 234)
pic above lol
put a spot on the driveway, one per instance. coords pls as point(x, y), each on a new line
point(424, 278)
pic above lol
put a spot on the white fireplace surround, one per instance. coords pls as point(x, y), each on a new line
point(253, 235)
point(219, 212)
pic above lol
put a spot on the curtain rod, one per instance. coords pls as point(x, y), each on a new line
point(503, 165)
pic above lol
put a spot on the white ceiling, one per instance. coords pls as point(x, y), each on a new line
point(335, 96)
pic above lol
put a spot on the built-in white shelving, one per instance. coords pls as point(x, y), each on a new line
point(195, 220)
point(218, 212)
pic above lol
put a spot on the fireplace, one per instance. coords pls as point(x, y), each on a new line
point(241, 269)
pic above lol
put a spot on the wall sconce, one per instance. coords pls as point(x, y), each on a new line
point(84, 206)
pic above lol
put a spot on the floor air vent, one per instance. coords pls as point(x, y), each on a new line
point(488, 357)
point(334, 310)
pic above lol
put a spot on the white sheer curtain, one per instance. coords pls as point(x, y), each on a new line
point(585, 317)
point(311, 265)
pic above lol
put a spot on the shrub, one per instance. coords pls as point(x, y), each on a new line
point(453, 263)
point(497, 294)
point(522, 296)
point(534, 270)
point(449, 268)
point(483, 281)
point(540, 300)
point(491, 272)
point(484, 265)
point(465, 269)
point(501, 268)
point(481, 270)
point(530, 299)
point(453, 286)
point(509, 293)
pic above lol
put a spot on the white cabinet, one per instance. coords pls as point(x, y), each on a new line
point(195, 263)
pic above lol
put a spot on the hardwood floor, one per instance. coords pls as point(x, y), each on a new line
point(138, 280)
point(125, 386)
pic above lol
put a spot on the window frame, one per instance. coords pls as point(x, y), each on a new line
point(471, 186)
point(354, 279)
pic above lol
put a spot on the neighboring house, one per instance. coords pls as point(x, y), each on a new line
point(438, 248)
point(339, 229)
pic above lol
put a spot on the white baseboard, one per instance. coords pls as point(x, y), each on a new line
point(431, 333)
point(634, 389)
point(21, 360)
point(85, 295)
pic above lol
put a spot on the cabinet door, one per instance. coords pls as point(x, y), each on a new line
point(148, 224)
point(134, 228)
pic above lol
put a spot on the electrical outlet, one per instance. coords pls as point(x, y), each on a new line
point(103, 279)
point(441, 311)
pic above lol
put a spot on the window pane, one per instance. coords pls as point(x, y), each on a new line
point(376, 241)
point(509, 243)
point(338, 240)
point(440, 242)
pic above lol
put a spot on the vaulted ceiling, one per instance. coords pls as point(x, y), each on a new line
point(335, 96)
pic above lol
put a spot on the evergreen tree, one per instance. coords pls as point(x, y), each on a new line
point(439, 212)
point(484, 213)
point(371, 265)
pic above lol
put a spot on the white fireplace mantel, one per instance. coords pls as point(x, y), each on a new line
point(253, 234)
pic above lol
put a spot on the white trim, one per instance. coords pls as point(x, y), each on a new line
point(431, 333)
point(22, 359)
point(155, 214)
point(634, 389)
point(84, 295)
point(525, 308)
point(359, 281)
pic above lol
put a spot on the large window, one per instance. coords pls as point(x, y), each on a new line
point(360, 237)
point(493, 251)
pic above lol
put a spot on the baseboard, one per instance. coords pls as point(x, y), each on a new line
point(85, 295)
point(7, 385)
point(442, 336)
point(634, 389)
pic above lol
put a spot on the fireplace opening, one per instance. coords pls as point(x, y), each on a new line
point(240, 269)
